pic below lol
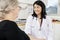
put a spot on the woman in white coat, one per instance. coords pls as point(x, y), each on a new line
point(38, 25)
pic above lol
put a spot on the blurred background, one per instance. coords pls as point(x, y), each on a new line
point(52, 9)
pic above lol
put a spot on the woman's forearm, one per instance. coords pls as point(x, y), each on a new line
point(34, 38)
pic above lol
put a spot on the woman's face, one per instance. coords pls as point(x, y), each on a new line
point(37, 9)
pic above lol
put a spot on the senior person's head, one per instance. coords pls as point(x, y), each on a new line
point(8, 9)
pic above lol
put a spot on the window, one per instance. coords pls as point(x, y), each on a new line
point(52, 7)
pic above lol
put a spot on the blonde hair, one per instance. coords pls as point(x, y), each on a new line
point(6, 5)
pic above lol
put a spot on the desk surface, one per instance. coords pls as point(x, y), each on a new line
point(22, 24)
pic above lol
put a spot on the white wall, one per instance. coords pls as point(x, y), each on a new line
point(56, 31)
point(27, 1)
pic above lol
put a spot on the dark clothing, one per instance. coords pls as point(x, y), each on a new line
point(10, 31)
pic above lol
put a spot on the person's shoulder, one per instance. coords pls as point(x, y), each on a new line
point(48, 18)
point(10, 25)
point(9, 22)
point(30, 17)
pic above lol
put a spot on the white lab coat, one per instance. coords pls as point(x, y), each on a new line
point(33, 26)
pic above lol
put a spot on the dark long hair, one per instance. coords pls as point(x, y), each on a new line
point(43, 13)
